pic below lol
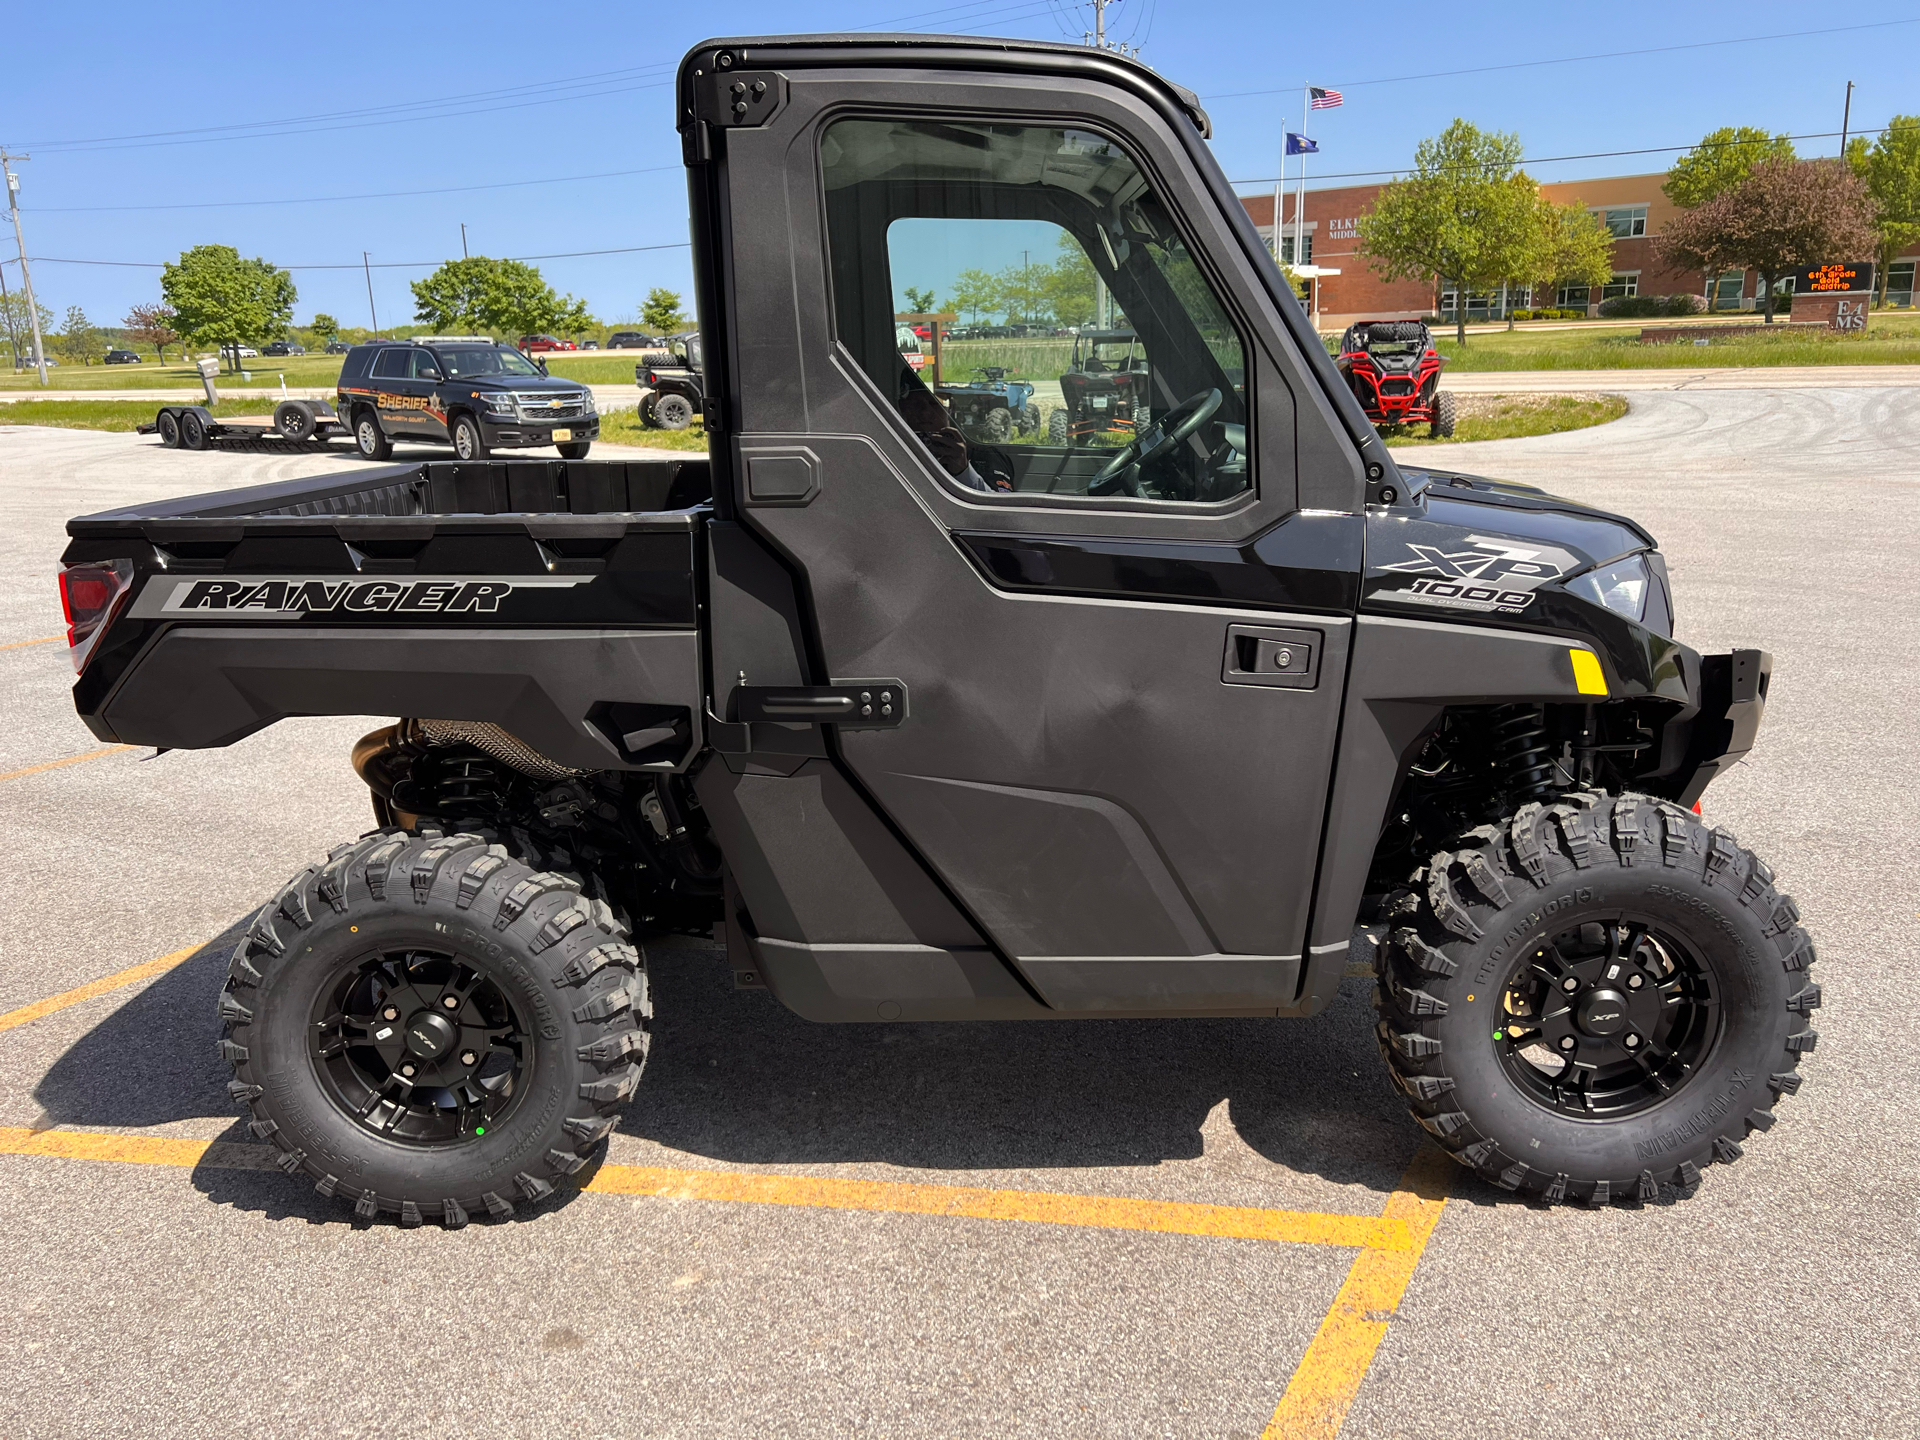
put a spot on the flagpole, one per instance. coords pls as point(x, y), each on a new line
point(1300, 198)
point(1279, 185)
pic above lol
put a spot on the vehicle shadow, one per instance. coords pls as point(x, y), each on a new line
point(735, 1077)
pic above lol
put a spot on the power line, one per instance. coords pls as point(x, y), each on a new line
point(383, 265)
point(1578, 59)
point(335, 199)
point(1591, 155)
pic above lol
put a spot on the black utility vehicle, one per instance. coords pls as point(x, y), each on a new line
point(1105, 387)
point(121, 357)
point(285, 347)
point(460, 390)
point(1165, 730)
point(673, 375)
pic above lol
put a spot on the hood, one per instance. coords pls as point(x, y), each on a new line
point(519, 382)
point(1464, 543)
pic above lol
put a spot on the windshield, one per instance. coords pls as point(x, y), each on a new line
point(469, 361)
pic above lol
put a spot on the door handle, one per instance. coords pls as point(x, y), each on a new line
point(852, 704)
point(1269, 655)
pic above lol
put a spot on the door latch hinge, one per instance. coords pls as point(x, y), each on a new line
point(850, 704)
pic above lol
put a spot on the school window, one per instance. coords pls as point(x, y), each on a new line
point(1286, 251)
point(1624, 222)
point(1575, 297)
point(1728, 288)
point(1900, 282)
point(1621, 285)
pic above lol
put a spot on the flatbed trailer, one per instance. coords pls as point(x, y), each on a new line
point(294, 424)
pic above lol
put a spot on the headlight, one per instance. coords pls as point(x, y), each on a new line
point(1622, 586)
point(497, 402)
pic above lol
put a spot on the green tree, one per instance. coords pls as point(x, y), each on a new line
point(1070, 284)
point(19, 325)
point(976, 292)
point(323, 327)
point(1890, 166)
point(1785, 216)
point(77, 338)
point(220, 299)
point(1466, 214)
point(919, 302)
point(1572, 247)
point(1723, 159)
point(660, 315)
point(151, 325)
point(502, 297)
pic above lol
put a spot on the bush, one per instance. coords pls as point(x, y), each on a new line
point(1523, 314)
point(1684, 305)
point(1632, 307)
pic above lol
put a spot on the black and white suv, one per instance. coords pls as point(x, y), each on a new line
point(461, 390)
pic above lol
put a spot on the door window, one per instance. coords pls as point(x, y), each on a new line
point(1079, 348)
point(394, 364)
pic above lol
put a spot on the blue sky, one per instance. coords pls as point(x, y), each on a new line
point(584, 90)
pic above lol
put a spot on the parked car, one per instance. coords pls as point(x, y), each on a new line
point(628, 340)
point(337, 347)
point(540, 344)
point(285, 347)
point(589, 344)
point(122, 357)
point(247, 352)
point(470, 393)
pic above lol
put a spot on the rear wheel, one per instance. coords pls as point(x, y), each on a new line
point(169, 426)
point(1030, 418)
point(1446, 414)
point(672, 412)
point(430, 1029)
point(468, 442)
point(369, 439)
point(193, 431)
point(1595, 998)
point(1057, 427)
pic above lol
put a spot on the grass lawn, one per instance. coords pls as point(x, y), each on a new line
point(122, 415)
point(1508, 417)
point(623, 427)
point(300, 370)
point(1889, 340)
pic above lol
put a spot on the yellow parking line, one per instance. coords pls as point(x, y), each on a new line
point(70, 760)
point(1329, 1374)
point(1099, 1212)
point(1390, 1233)
point(28, 1013)
point(22, 644)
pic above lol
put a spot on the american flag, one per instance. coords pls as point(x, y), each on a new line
point(1318, 99)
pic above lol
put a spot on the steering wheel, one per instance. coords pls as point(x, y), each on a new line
point(1160, 438)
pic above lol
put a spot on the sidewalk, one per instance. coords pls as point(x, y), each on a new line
point(1757, 377)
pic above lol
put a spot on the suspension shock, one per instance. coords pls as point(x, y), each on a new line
point(1521, 753)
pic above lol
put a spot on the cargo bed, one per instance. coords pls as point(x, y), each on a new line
point(556, 598)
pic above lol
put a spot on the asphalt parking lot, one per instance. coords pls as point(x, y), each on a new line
point(1198, 1228)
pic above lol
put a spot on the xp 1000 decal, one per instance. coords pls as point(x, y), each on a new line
point(1492, 574)
point(294, 597)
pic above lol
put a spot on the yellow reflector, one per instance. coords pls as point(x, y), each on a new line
point(1588, 677)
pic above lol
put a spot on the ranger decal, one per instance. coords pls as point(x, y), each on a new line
point(260, 597)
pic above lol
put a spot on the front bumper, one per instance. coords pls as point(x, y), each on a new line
point(504, 432)
point(1731, 703)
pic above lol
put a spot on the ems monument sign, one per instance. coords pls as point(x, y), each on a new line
point(1836, 296)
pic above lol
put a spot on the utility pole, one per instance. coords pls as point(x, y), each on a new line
point(1097, 37)
point(1846, 115)
point(26, 276)
point(463, 241)
point(367, 267)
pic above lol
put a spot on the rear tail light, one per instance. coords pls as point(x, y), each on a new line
point(651, 380)
point(91, 595)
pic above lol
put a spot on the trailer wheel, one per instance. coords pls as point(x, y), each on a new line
point(294, 420)
point(368, 438)
point(193, 430)
point(430, 1029)
point(1446, 414)
point(672, 412)
point(169, 427)
point(1594, 998)
point(468, 442)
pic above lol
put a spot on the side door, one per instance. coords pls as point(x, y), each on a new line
point(425, 378)
point(1121, 680)
point(397, 395)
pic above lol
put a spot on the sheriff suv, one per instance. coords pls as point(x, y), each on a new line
point(460, 390)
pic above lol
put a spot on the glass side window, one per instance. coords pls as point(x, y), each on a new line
point(393, 364)
point(1022, 295)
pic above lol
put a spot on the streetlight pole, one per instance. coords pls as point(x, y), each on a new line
point(1846, 115)
point(463, 241)
point(26, 276)
point(367, 268)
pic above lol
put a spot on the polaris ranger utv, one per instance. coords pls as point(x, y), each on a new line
point(1152, 731)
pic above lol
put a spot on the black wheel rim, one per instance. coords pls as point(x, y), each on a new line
point(1607, 1018)
point(420, 1047)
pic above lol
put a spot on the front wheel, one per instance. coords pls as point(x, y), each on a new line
point(1446, 415)
point(369, 439)
point(430, 1029)
point(1595, 998)
point(574, 449)
point(468, 442)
